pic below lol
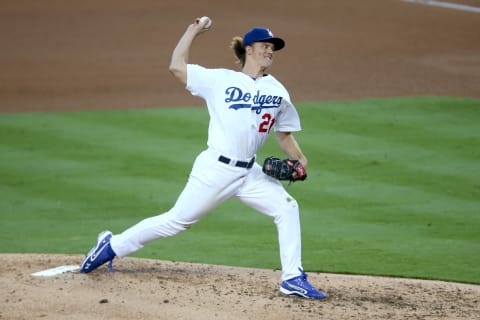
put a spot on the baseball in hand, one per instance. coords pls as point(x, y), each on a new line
point(205, 21)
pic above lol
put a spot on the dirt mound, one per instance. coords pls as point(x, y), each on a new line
point(153, 289)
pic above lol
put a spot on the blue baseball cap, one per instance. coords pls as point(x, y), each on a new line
point(262, 35)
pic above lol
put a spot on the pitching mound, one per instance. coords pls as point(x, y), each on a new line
point(153, 289)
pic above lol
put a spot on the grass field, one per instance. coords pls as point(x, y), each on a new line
point(393, 187)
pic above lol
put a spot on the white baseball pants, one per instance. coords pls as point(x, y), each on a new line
point(210, 183)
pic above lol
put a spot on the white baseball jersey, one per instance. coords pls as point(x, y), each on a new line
point(234, 99)
point(242, 113)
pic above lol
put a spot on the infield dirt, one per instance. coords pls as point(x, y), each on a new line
point(153, 289)
point(63, 55)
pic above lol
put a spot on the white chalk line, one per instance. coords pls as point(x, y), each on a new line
point(56, 271)
point(448, 5)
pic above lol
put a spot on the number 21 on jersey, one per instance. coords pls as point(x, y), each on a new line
point(267, 123)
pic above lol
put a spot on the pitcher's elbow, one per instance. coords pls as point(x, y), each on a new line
point(179, 73)
point(173, 69)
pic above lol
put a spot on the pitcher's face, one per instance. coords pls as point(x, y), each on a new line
point(262, 54)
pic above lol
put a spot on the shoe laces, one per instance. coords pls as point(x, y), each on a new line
point(302, 280)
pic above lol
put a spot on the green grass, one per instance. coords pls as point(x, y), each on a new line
point(393, 187)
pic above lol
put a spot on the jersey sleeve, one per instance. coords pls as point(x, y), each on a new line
point(200, 80)
point(287, 119)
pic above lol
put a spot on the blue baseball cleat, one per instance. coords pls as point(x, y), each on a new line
point(100, 254)
point(299, 286)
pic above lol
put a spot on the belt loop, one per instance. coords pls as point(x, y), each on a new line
point(224, 159)
point(250, 164)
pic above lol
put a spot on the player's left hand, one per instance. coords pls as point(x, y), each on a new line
point(287, 169)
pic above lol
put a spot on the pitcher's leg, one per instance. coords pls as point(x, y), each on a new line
point(289, 237)
point(193, 203)
point(269, 197)
point(210, 183)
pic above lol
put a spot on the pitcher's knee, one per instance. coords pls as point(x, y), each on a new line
point(291, 202)
point(168, 224)
point(181, 225)
point(174, 227)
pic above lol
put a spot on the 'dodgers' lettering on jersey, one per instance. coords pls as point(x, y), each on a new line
point(246, 100)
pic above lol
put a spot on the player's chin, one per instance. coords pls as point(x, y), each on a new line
point(267, 62)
